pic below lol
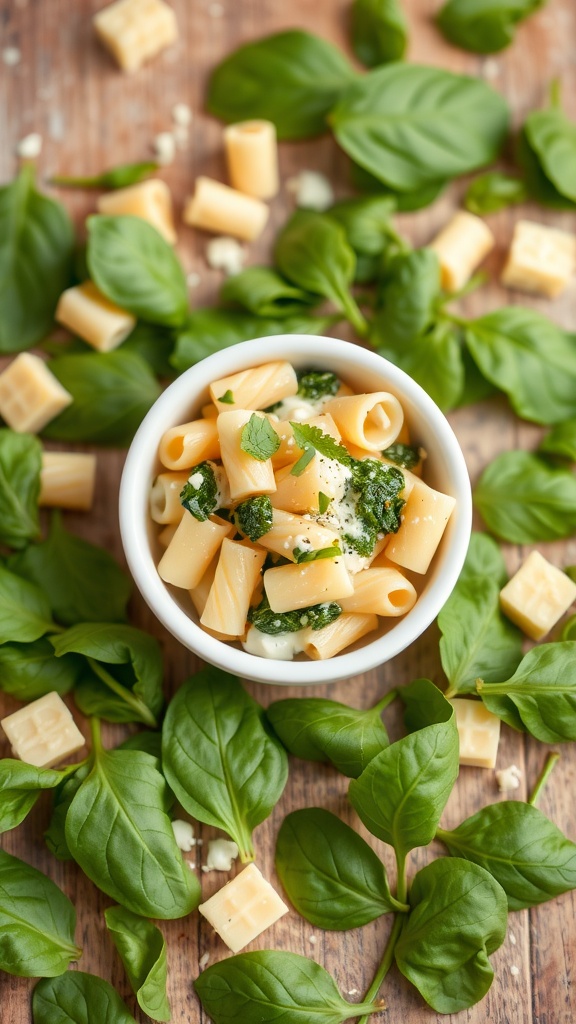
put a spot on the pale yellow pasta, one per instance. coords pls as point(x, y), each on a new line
point(290, 532)
point(382, 591)
point(67, 480)
point(252, 158)
point(236, 576)
point(150, 200)
point(209, 411)
point(88, 313)
point(349, 627)
point(165, 535)
point(301, 493)
point(246, 475)
point(370, 421)
point(424, 519)
point(290, 587)
point(199, 594)
point(256, 388)
point(224, 210)
point(165, 504)
point(191, 550)
point(188, 444)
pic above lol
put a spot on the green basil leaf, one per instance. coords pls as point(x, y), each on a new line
point(63, 794)
point(494, 191)
point(82, 582)
point(411, 125)
point(154, 345)
point(264, 292)
point(541, 694)
point(407, 296)
point(561, 440)
point(529, 358)
point(20, 787)
point(37, 922)
point(78, 998)
point(433, 360)
point(115, 177)
point(316, 729)
point(331, 875)
point(112, 393)
point(292, 79)
point(312, 251)
point(569, 629)
point(539, 186)
point(150, 742)
point(379, 31)
point(552, 137)
point(484, 558)
point(118, 831)
point(134, 266)
point(476, 387)
point(483, 26)
point(401, 794)
point(524, 500)
point(404, 201)
point(458, 918)
point(367, 224)
point(36, 244)
point(24, 610)
point(310, 438)
point(269, 985)
point(29, 671)
point(259, 439)
point(530, 858)
point(20, 465)
point(142, 950)
point(219, 757)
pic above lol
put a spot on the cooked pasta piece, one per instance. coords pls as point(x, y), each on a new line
point(290, 587)
point(252, 158)
point(67, 480)
point(256, 388)
point(224, 210)
point(188, 444)
point(150, 200)
point(236, 576)
point(370, 421)
point(30, 394)
point(289, 451)
point(165, 504)
point(191, 550)
point(199, 594)
point(382, 591)
point(349, 627)
point(88, 313)
point(424, 520)
point(291, 534)
point(301, 493)
point(165, 535)
point(246, 475)
point(209, 411)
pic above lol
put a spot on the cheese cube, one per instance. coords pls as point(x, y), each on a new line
point(219, 208)
point(135, 30)
point(461, 246)
point(244, 908)
point(67, 480)
point(537, 596)
point(30, 395)
point(150, 200)
point(541, 259)
point(43, 733)
point(90, 315)
point(478, 732)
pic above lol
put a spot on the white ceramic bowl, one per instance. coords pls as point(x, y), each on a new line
point(365, 372)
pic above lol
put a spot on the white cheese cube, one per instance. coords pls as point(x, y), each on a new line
point(135, 30)
point(90, 315)
point(244, 908)
point(461, 246)
point(541, 259)
point(43, 733)
point(537, 596)
point(67, 480)
point(478, 732)
point(150, 200)
point(30, 395)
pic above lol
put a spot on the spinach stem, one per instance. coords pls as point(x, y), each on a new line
point(385, 965)
point(555, 93)
point(386, 700)
point(475, 282)
point(543, 778)
point(353, 314)
point(96, 734)
point(459, 321)
point(144, 713)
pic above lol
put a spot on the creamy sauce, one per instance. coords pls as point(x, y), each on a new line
point(280, 648)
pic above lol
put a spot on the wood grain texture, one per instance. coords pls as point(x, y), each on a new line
point(91, 117)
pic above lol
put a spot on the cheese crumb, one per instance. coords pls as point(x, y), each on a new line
point(11, 56)
point(514, 971)
point(223, 253)
point(30, 146)
point(512, 938)
point(312, 940)
point(183, 834)
point(182, 115)
point(164, 147)
point(203, 961)
point(312, 190)
point(508, 778)
point(221, 854)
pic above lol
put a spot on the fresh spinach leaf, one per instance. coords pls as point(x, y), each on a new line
point(552, 138)
point(494, 191)
point(134, 266)
point(20, 465)
point(269, 985)
point(82, 582)
point(404, 201)
point(78, 998)
point(411, 126)
point(150, 742)
point(264, 292)
point(259, 439)
point(541, 695)
point(401, 794)
point(407, 296)
point(153, 344)
point(114, 177)
point(37, 922)
point(483, 26)
point(292, 79)
point(379, 31)
point(24, 610)
point(317, 729)
point(367, 223)
point(118, 831)
point(530, 858)
point(62, 796)
point(142, 950)
point(219, 757)
point(483, 558)
point(331, 875)
point(434, 360)
point(529, 358)
point(524, 500)
point(20, 786)
point(36, 245)
point(539, 186)
point(458, 918)
point(29, 671)
point(569, 629)
point(312, 251)
point(112, 393)
point(561, 440)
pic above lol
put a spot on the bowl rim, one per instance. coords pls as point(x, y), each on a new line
point(141, 463)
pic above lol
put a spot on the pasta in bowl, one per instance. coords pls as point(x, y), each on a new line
point(295, 509)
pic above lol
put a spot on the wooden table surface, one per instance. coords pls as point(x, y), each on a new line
point(91, 116)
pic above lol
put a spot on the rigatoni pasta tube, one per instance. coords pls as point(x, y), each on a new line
point(89, 314)
point(301, 493)
point(349, 627)
point(199, 594)
point(165, 535)
point(461, 246)
point(191, 550)
point(256, 388)
point(188, 444)
point(236, 576)
point(246, 475)
point(165, 504)
point(67, 480)
point(290, 533)
point(224, 210)
point(150, 200)
point(372, 421)
point(382, 591)
point(424, 519)
point(252, 158)
point(297, 586)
